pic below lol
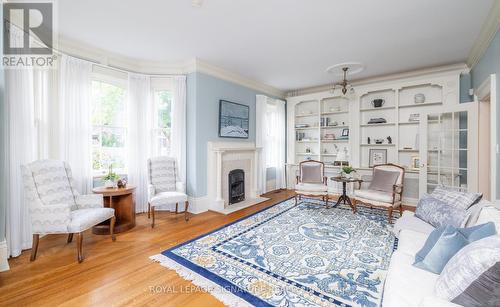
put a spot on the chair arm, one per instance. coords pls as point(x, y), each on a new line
point(89, 201)
point(297, 178)
point(151, 191)
point(397, 188)
point(180, 187)
point(50, 218)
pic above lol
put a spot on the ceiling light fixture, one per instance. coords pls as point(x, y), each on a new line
point(343, 69)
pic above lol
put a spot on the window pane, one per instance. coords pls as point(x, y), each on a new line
point(163, 122)
point(109, 117)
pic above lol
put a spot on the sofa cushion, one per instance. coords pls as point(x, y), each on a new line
point(489, 214)
point(408, 221)
point(383, 180)
point(472, 276)
point(410, 242)
point(406, 285)
point(438, 213)
point(461, 200)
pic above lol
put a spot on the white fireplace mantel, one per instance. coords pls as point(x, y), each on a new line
point(221, 153)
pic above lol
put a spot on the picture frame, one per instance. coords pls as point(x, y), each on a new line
point(377, 157)
point(233, 120)
point(345, 132)
point(415, 163)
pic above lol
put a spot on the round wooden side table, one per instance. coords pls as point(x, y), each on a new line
point(344, 198)
point(122, 200)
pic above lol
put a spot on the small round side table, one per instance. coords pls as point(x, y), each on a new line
point(344, 198)
point(122, 200)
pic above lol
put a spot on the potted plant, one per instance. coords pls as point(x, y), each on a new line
point(111, 178)
point(347, 171)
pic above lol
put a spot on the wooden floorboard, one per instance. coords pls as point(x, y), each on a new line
point(114, 273)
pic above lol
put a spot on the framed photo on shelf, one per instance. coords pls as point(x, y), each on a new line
point(377, 156)
point(415, 163)
point(345, 132)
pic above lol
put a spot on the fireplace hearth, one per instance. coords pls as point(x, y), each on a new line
point(236, 181)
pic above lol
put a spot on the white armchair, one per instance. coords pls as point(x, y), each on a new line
point(55, 205)
point(385, 190)
point(165, 187)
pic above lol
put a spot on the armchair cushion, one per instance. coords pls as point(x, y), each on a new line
point(89, 201)
point(83, 219)
point(374, 195)
point(162, 174)
point(51, 181)
point(311, 172)
point(166, 198)
point(383, 180)
point(311, 189)
point(50, 218)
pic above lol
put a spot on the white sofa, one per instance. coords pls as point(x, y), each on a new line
point(409, 286)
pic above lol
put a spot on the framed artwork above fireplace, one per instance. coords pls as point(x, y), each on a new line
point(233, 120)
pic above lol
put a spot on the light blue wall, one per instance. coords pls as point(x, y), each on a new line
point(465, 85)
point(203, 95)
point(3, 175)
point(490, 64)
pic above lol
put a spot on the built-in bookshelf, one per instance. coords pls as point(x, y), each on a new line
point(321, 129)
point(383, 117)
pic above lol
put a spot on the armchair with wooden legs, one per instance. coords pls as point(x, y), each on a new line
point(311, 181)
point(385, 190)
point(165, 188)
point(56, 207)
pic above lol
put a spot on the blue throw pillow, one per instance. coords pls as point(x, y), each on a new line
point(438, 213)
point(444, 242)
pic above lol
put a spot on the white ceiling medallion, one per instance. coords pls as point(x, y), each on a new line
point(344, 70)
point(197, 3)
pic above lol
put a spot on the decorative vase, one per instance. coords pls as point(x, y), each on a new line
point(419, 98)
point(109, 184)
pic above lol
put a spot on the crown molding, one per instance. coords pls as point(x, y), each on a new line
point(204, 67)
point(459, 68)
point(120, 62)
point(488, 32)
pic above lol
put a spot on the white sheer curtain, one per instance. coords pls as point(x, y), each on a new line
point(270, 139)
point(140, 134)
point(21, 149)
point(75, 139)
point(178, 137)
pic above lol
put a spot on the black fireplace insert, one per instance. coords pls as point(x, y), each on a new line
point(236, 182)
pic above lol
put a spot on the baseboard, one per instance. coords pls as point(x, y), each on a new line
point(198, 204)
point(4, 264)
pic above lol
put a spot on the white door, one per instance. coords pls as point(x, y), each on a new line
point(448, 148)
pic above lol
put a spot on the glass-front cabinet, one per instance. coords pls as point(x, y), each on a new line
point(448, 139)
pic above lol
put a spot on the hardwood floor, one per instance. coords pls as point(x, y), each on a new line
point(117, 273)
point(114, 273)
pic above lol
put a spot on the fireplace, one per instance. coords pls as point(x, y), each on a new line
point(236, 181)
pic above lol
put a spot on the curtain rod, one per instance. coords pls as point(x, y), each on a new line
point(60, 52)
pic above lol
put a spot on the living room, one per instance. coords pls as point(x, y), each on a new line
point(245, 153)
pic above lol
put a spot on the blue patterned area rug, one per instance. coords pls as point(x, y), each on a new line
point(291, 255)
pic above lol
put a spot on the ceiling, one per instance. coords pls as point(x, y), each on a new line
point(287, 44)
